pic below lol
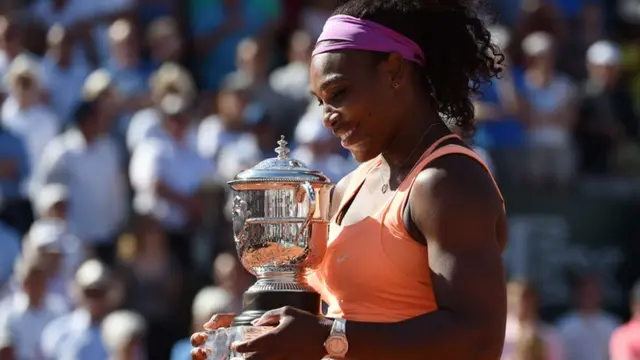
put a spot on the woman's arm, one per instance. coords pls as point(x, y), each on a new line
point(456, 210)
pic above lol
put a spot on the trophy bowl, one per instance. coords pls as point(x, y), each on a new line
point(280, 215)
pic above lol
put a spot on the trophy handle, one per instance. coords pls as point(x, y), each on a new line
point(311, 200)
point(240, 213)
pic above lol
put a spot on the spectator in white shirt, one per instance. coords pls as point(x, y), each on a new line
point(170, 78)
point(10, 46)
point(49, 237)
point(89, 163)
point(78, 335)
point(24, 113)
point(64, 74)
point(123, 333)
point(232, 121)
point(292, 80)
point(166, 174)
point(553, 98)
point(28, 312)
point(587, 330)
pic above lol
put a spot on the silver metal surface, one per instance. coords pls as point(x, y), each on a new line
point(280, 220)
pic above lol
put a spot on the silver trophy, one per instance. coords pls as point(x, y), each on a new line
point(281, 225)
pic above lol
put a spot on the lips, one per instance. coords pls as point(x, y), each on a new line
point(346, 135)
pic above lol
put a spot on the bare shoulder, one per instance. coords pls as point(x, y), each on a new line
point(452, 189)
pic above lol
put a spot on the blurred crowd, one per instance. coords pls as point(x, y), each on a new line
point(121, 121)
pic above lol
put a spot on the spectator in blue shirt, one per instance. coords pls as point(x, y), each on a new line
point(14, 172)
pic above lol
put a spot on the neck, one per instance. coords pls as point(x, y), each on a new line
point(89, 134)
point(24, 104)
point(35, 301)
point(411, 141)
point(588, 311)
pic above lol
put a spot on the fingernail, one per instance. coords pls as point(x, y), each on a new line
point(235, 344)
point(255, 322)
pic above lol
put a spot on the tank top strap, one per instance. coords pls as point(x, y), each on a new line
point(455, 149)
point(357, 179)
point(394, 214)
point(440, 152)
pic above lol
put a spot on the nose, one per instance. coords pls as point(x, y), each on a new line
point(330, 118)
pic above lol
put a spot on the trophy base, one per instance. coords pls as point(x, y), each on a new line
point(257, 303)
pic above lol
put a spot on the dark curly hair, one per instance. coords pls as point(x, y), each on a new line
point(457, 45)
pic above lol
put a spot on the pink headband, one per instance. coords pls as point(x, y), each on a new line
point(342, 32)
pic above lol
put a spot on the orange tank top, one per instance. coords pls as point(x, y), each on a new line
point(373, 270)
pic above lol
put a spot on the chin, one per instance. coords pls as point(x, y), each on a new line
point(363, 155)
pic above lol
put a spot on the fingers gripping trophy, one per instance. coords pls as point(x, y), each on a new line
point(280, 224)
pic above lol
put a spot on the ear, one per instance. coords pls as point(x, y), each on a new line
point(395, 69)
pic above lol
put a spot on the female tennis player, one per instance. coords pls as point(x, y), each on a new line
point(413, 268)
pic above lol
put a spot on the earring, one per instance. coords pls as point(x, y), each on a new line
point(395, 86)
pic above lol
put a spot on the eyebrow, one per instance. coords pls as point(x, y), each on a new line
point(331, 79)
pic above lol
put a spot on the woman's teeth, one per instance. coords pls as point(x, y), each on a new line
point(346, 135)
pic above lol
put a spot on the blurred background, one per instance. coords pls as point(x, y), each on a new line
point(121, 121)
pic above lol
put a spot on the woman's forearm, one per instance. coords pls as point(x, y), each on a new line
point(437, 335)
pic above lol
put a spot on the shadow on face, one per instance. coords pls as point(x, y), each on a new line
point(359, 105)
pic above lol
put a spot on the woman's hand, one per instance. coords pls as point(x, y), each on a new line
point(298, 335)
point(198, 339)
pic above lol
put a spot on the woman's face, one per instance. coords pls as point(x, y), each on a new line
point(358, 101)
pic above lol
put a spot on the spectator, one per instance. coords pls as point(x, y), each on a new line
point(16, 209)
point(166, 174)
point(240, 155)
point(101, 14)
point(62, 68)
point(553, 113)
point(524, 326)
point(78, 335)
point(153, 280)
point(218, 27)
point(531, 346)
point(501, 115)
point(49, 237)
point(208, 302)
point(9, 252)
point(73, 15)
point(314, 15)
point(236, 114)
point(101, 91)
point(126, 69)
point(170, 78)
point(25, 316)
point(10, 44)
point(165, 44)
point(88, 162)
point(24, 113)
point(586, 331)
point(252, 59)
point(231, 276)
point(123, 334)
point(292, 80)
point(607, 117)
